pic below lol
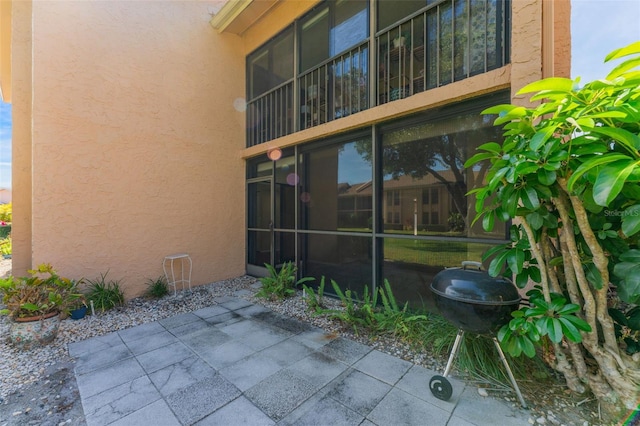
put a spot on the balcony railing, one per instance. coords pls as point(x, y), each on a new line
point(335, 89)
point(447, 41)
point(270, 116)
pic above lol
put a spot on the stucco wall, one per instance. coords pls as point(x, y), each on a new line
point(136, 140)
point(562, 38)
point(21, 66)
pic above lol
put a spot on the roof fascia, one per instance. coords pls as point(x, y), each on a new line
point(229, 12)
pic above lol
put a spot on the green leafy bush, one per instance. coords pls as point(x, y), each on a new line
point(281, 284)
point(568, 172)
point(315, 301)
point(5, 246)
point(555, 319)
point(105, 294)
point(6, 212)
point(42, 292)
point(369, 315)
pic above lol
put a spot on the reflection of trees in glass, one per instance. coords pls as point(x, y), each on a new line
point(351, 83)
point(429, 149)
point(439, 157)
point(446, 43)
point(462, 40)
point(460, 33)
point(455, 32)
point(417, 158)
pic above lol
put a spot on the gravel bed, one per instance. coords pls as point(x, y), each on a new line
point(20, 368)
point(25, 374)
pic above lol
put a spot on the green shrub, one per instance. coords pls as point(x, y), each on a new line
point(315, 301)
point(280, 284)
point(5, 246)
point(380, 314)
point(157, 288)
point(41, 293)
point(5, 230)
point(5, 212)
point(367, 314)
point(105, 294)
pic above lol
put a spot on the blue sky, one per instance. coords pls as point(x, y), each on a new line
point(597, 27)
point(5, 145)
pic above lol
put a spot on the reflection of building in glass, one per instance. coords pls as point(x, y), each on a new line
point(355, 205)
point(433, 205)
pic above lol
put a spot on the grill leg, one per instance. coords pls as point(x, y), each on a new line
point(513, 379)
point(454, 352)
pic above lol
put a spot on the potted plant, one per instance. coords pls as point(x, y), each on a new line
point(78, 308)
point(34, 304)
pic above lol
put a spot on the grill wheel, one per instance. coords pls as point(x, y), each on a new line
point(440, 387)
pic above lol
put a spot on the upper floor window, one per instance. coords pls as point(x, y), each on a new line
point(271, 65)
point(331, 29)
point(392, 11)
point(437, 42)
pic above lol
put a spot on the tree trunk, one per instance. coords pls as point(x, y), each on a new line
point(616, 382)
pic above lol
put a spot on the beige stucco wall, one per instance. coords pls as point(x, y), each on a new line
point(135, 140)
point(561, 38)
point(21, 67)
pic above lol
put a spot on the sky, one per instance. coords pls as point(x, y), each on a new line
point(5, 145)
point(597, 28)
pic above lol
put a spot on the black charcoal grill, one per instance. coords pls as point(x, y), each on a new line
point(473, 301)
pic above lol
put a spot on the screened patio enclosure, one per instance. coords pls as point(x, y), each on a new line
point(346, 56)
point(384, 202)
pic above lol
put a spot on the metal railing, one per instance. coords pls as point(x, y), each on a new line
point(447, 41)
point(335, 89)
point(271, 115)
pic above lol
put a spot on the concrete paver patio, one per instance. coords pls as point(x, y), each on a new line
point(236, 363)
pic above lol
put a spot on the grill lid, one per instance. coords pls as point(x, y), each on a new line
point(471, 284)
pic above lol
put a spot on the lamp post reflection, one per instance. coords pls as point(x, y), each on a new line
point(415, 216)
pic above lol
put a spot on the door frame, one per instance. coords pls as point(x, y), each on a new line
point(253, 269)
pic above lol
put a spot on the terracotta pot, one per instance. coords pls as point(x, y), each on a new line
point(31, 332)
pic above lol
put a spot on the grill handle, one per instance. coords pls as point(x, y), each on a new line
point(466, 264)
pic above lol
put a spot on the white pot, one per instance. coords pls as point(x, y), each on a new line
point(312, 92)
